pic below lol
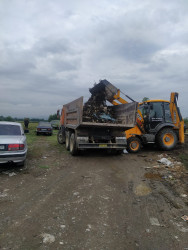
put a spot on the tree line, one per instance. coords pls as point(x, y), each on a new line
point(15, 119)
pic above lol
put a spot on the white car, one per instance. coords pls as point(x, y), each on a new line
point(13, 145)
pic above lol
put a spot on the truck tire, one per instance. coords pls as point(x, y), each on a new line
point(60, 137)
point(166, 139)
point(67, 140)
point(133, 145)
point(73, 145)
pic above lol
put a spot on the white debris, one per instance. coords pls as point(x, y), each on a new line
point(88, 229)
point(181, 227)
point(76, 193)
point(147, 230)
point(63, 226)
point(48, 238)
point(3, 195)
point(125, 151)
point(11, 174)
point(154, 222)
point(61, 242)
point(183, 195)
point(165, 161)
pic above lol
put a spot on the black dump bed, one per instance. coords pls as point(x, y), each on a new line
point(124, 116)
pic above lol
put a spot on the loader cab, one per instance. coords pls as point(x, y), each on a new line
point(155, 113)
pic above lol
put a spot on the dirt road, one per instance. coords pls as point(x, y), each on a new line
point(93, 201)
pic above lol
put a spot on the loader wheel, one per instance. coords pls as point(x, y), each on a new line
point(133, 144)
point(167, 139)
point(73, 145)
point(67, 140)
point(60, 138)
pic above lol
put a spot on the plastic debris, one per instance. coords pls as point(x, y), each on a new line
point(185, 218)
point(154, 222)
point(125, 151)
point(76, 193)
point(165, 161)
point(48, 238)
point(88, 229)
point(11, 174)
point(183, 195)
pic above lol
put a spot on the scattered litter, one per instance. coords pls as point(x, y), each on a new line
point(165, 161)
point(125, 151)
point(63, 226)
point(2, 195)
point(154, 222)
point(183, 195)
point(44, 157)
point(61, 242)
point(147, 230)
point(11, 174)
point(88, 229)
point(181, 227)
point(157, 166)
point(85, 176)
point(48, 238)
point(185, 218)
point(76, 193)
point(105, 197)
point(176, 237)
point(147, 167)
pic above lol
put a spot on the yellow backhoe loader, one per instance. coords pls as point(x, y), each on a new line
point(158, 121)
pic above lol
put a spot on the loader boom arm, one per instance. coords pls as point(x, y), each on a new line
point(176, 116)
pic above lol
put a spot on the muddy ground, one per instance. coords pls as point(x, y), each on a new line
point(94, 201)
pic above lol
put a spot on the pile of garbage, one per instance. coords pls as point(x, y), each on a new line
point(96, 109)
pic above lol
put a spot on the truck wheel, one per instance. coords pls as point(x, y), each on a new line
point(67, 140)
point(133, 144)
point(167, 139)
point(73, 145)
point(60, 137)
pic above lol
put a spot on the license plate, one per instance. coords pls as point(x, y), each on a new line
point(102, 145)
point(43, 129)
point(2, 147)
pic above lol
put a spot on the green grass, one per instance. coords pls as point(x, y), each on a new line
point(184, 158)
point(44, 166)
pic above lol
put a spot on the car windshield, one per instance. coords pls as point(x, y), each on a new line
point(7, 129)
point(44, 124)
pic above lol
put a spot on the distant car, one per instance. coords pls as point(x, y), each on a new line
point(55, 124)
point(13, 145)
point(44, 128)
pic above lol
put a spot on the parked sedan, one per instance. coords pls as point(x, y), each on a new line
point(55, 124)
point(44, 128)
point(13, 146)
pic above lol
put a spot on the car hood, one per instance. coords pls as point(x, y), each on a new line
point(6, 139)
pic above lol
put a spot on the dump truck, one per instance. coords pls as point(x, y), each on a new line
point(158, 121)
point(79, 134)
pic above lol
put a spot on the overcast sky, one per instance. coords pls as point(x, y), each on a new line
point(52, 52)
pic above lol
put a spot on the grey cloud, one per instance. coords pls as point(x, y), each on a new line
point(59, 49)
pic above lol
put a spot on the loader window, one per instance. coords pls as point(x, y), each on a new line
point(156, 111)
point(168, 117)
